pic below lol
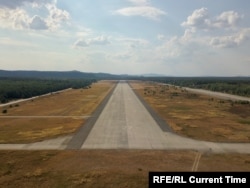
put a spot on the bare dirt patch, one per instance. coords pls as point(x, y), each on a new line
point(21, 123)
point(197, 116)
point(225, 162)
point(104, 168)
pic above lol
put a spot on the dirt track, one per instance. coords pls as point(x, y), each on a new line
point(219, 95)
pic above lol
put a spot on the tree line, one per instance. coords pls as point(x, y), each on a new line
point(232, 85)
point(21, 88)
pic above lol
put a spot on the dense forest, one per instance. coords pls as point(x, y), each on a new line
point(21, 88)
point(232, 85)
point(21, 84)
point(57, 75)
point(25, 84)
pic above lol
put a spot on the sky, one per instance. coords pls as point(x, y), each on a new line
point(173, 38)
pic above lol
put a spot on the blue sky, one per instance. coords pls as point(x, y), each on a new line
point(177, 38)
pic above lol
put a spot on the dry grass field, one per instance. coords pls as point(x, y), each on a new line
point(190, 115)
point(104, 168)
point(197, 116)
point(51, 116)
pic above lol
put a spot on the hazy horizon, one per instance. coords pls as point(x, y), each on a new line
point(134, 37)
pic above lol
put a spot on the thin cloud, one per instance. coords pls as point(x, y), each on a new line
point(228, 19)
point(139, 2)
point(12, 4)
point(100, 40)
point(56, 16)
point(143, 11)
point(17, 43)
point(231, 41)
point(133, 42)
point(161, 37)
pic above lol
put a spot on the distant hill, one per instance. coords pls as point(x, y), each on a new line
point(153, 75)
point(55, 74)
point(101, 76)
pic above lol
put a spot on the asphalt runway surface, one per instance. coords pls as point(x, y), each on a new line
point(125, 121)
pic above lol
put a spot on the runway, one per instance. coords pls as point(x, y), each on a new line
point(123, 122)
